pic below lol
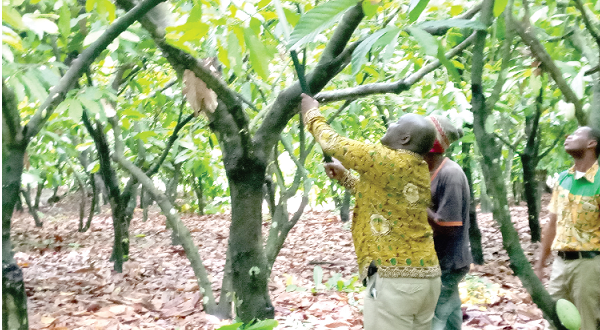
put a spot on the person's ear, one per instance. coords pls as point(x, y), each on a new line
point(592, 144)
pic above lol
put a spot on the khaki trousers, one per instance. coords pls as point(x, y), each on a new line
point(579, 282)
point(400, 303)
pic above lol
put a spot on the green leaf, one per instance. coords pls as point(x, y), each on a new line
point(259, 56)
point(291, 17)
point(33, 86)
point(447, 63)
point(499, 6)
point(107, 9)
point(416, 8)
point(370, 8)
point(263, 325)
point(64, 21)
point(40, 25)
point(317, 20)
point(91, 105)
point(234, 54)
point(145, 135)
point(359, 54)
point(129, 36)
point(91, 37)
point(89, 5)
point(285, 26)
point(234, 326)
point(75, 110)
point(13, 18)
point(196, 12)
point(535, 83)
point(426, 40)
point(453, 22)
point(63, 106)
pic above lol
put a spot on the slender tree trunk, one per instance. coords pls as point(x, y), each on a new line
point(530, 160)
point(495, 184)
point(474, 232)
point(532, 197)
point(27, 196)
point(38, 192)
point(224, 308)
point(109, 177)
point(345, 207)
point(249, 264)
point(146, 201)
point(199, 195)
point(93, 205)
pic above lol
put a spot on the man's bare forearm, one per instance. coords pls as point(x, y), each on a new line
point(547, 238)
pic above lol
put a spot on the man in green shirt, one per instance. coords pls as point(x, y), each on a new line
point(574, 230)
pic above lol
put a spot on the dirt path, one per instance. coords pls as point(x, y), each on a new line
point(71, 285)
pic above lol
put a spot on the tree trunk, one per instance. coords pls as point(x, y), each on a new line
point(199, 195)
point(474, 232)
point(109, 177)
point(495, 184)
point(93, 205)
point(249, 264)
point(14, 299)
point(532, 197)
point(345, 207)
point(27, 196)
point(146, 201)
point(38, 192)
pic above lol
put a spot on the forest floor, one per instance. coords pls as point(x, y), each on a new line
point(71, 285)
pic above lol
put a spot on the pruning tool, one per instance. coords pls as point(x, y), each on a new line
point(305, 89)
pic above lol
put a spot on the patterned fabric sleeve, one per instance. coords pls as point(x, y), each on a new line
point(352, 154)
point(349, 182)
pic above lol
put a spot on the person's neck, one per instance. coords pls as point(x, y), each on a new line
point(434, 160)
point(584, 161)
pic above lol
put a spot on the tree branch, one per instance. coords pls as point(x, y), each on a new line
point(175, 223)
point(12, 132)
point(506, 142)
point(547, 151)
point(588, 23)
point(506, 56)
point(285, 106)
point(392, 87)
point(539, 51)
point(151, 171)
point(181, 60)
point(78, 67)
point(442, 30)
point(162, 89)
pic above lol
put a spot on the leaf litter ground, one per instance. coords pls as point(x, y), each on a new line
point(71, 285)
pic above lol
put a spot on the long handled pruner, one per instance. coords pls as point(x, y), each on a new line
point(305, 88)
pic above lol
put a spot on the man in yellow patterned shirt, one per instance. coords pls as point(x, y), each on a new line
point(574, 230)
point(392, 238)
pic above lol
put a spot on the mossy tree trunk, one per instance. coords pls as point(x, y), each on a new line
point(495, 185)
point(14, 300)
point(474, 232)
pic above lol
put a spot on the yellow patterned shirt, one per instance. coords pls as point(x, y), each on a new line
point(576, 203)
point(392, 195)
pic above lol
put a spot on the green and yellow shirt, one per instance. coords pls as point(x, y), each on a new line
point(576, 202)
point(392, 195)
